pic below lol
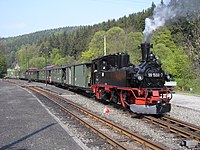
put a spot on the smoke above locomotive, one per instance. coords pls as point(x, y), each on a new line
point(169, 12)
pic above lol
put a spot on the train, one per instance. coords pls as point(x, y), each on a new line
point(113, 79)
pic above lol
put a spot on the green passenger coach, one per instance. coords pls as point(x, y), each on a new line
point(58, 75)
point(78, 75)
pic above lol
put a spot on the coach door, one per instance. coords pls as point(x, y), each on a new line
point(70, 76)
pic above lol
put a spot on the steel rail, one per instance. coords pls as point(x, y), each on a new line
point(147, 143)
point(181, 128)
point(192, 127)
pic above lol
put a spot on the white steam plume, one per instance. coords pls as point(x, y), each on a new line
point(164, 13)
point(160, 16)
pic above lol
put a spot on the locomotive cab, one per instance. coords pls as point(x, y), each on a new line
point(108, 70)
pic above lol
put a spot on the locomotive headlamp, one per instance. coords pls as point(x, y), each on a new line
point(140, 77)
point(168, 77)
point(152, 56)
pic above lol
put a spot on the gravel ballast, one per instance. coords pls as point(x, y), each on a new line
point(139, 126)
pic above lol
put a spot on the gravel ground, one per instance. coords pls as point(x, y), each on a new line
point(186, 108)
point(186, 114)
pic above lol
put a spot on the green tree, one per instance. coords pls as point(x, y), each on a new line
point(67, 60)
point(88, 55)
point(24, 55)
point(96, 47)
point(133, 41)
point(115, 40)
point(173, 58)
point(97, 43)
point(166, 57)
point(183, 67)
point(3, 64)
point(55, 56)
point(12, 59)
point(21, 57)
point(37, 62)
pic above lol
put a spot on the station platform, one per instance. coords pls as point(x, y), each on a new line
point(26, 124)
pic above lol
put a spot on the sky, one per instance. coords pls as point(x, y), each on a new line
point(18, 17)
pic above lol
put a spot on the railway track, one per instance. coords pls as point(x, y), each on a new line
point(181, 128)
point(122, 139)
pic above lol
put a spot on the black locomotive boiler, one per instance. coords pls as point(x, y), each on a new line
point(141, 88)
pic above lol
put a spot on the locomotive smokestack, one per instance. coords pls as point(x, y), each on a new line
point(145, 47)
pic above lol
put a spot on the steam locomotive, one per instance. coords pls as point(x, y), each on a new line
point(140, 88)
point(112, 78)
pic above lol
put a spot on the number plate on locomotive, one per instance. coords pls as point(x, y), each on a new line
point(155, 75)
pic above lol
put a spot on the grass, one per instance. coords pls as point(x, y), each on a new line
point(190, 87)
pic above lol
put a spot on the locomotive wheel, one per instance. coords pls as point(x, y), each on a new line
point(123, 98)
point(103, 96)
point(115, 97)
